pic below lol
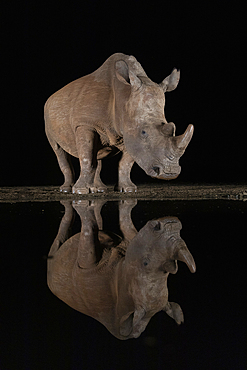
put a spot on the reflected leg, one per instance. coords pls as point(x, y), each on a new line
point(126, 225)
point(98, 204)
point(64, 228)
point(89, 241)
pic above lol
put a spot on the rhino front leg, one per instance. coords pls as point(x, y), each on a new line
point(124, 169)
point(98, 184)
point(86, 148)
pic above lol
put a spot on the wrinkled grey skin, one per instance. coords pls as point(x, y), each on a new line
point(121, 283)
point(116, 108)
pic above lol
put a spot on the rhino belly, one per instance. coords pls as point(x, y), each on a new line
point(107, 151)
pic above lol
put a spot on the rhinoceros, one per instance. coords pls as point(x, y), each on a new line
point(115, 108)
point(121, 283)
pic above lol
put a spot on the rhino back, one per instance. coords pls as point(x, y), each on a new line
point(90, 101)
point(85, 101)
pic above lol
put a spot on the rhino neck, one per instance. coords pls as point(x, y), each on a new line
point(121, 95)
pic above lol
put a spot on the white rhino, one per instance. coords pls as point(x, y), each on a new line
point(116, 108)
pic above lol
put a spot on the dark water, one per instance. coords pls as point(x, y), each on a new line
point(39, 331)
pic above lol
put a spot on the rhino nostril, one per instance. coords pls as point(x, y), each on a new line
point(157, 170)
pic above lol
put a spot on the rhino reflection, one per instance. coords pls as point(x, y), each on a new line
point(121, 282)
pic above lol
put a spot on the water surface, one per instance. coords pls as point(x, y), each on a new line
point(39, 331)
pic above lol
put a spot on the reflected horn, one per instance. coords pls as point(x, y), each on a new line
point(182, 254)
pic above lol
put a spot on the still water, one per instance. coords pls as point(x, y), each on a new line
point(40, 331)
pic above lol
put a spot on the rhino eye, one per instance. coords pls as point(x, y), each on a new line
point(144, 134)
point(146, 261)
point(171, 157)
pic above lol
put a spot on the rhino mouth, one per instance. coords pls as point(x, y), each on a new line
point(164, 173)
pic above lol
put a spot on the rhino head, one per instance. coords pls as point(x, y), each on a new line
point(148, 137)
point(151, 255)
point(157, 247)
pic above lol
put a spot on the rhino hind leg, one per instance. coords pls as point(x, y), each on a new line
point(86, 144)
point(64, 161)
point(124, 182)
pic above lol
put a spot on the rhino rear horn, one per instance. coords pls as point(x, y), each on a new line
point(182, 141)
point(182, 254)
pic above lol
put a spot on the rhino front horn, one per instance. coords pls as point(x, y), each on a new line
point(182, 141)
point(185, 256)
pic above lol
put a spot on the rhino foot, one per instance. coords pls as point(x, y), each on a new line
point(87, 190)
point(102, 189)
point(81, 203)
point(82, 206)
point(65, 189)
point(126, 186)
point(131, 202)
point(80, 190)
point(127, 189)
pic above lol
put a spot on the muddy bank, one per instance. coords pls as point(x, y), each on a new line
point(145, 192)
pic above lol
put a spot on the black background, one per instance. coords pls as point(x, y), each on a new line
point(46, 45)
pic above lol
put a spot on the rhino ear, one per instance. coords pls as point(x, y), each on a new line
point(126, 76)
point(122, 71)
point(175, 312)
point(134, 81)
point(170, 82)
point(169, 129)
point(171, 266)
point(126, 324)
point(132, 321)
